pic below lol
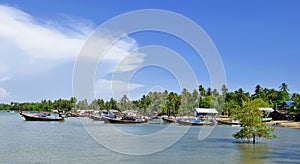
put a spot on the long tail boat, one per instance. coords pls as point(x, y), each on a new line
point(195, 122)
point(120, 121)
point(169, 120)
point(126, 120)
point(41, 117)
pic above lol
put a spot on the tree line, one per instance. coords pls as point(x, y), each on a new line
point(170, 102)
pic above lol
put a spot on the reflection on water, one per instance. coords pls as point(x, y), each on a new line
point(249, 153)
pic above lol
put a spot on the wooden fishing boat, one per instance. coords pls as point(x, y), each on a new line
point(267, 119)
point(96, 118)
point(126, 119)
point(41, 117)
point(169, 120)
point(103, 117)
point(121, 121)
point(69, 114)
point(229, 122)
point(196, 122)
point(236, 122)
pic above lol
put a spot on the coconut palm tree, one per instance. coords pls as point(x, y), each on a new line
point(173, 103)
point(202, 91)
point(208, 92)
point(224, 90)
point(284, 87)
point(258, 89)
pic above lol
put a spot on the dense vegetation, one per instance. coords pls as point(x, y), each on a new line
point(172, 103)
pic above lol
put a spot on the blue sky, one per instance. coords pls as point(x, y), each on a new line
point(258, 42)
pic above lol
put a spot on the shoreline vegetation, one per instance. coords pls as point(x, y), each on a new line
point(183, 104)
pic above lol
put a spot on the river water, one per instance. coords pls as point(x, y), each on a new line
point(69, 142)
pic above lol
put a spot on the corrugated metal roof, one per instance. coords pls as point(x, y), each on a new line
point(266, 109)
point(206, 110)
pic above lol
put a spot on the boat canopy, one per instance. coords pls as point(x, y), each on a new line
point(269, 110)
point(200, 111)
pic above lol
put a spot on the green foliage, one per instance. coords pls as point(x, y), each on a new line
point(284, 87)
point(97, 104)
point(111, 104)
point(188, 102)
point(296, 98)
point(82, 105)
point(202, 91)
point(144, 103)
point(173, 103)
point(157, 103)
point(205, 102)
point(230, 106)
point(294, 110)
point(250, 118)
point(125, 103)
point(62, 104)
point(224, 90)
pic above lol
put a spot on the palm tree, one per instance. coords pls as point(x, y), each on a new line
point(124, 102)
point(295, 97)
point(173, 103)
point(258, 92)
point(101, 104)
point(265, 93)
point(258, 89)
point(185, 97)
point(145, 102)
point(284, 87)
point(202, 91)
point(195, 98)
point(224, 90)
point(241, 96)
point(73, 101)
point(208, 92)
point(215, 93)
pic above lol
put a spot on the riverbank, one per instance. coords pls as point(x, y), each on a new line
point(285, 123)
point(279, 123)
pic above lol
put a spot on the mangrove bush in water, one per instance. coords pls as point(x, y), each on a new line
point(250, 119)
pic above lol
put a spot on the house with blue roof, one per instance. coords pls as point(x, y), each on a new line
point(287, 104)
point(283, 112)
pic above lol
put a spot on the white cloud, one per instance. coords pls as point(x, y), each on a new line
point(77, 24)
point(121, 58)
point(29, 46)
point(3, 94)
point(114, 88)
point(131, 62)
point(5, 78)
point(35, 39)
point(27, 43)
